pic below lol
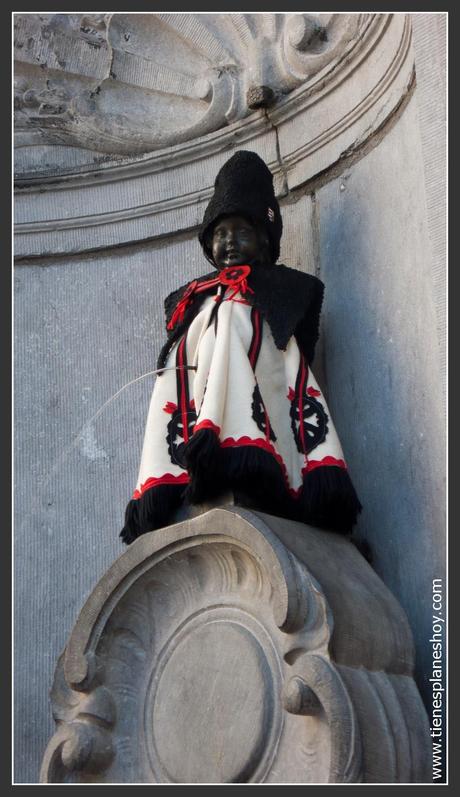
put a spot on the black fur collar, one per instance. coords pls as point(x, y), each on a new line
point(289, 300)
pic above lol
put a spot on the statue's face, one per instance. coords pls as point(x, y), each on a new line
point(235, 242)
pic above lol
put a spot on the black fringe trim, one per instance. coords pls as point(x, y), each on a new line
point(289, 300)
point(151, 511)
point(327, 500)
point(202, 455)
point(251, 473)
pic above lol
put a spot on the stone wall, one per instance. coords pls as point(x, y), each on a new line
point(91, 323)
point(382, 366)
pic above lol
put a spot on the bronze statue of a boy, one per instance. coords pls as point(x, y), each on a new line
point(237, 406)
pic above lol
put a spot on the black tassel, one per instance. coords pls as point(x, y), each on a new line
point(328, 499)
point(151, 511)
point(253, 475)
point(202, 456)
point(257, 480)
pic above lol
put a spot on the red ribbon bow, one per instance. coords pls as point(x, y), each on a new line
point(234, 276)
point(182, 305)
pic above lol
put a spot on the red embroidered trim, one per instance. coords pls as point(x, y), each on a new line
point(319, 463)
point(154, 481)
point(255, 343)
point(170, 407)
point(207, 425)
point(240, 301)
point(183, 391)
point(230, 442)
point(313, 392)
point(303, 382)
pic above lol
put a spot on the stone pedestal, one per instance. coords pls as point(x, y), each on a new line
point(236, 647)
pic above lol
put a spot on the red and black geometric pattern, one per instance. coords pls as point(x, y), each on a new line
point(259, 411)
point(260, 415)
point(308, 416)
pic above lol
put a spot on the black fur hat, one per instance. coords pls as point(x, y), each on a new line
point(244, 186)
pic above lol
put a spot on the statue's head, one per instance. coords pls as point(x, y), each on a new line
point(243, 207)
point(235, 240)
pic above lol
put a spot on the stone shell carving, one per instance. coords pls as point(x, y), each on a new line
point(133, 83)
point(70, 199)
point(203, 656)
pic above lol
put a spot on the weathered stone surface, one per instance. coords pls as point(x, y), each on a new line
point(210, 652)
point(132, 83)
point(356, 109)
point(382, 367)
point(430, 32)
point(129, 197)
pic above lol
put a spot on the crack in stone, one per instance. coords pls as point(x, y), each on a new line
point(109, 44)
point(358, 149)
point(285, 187)
point(315, 230)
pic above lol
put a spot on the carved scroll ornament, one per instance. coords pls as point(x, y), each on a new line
point(133, 83)
point(202, 657)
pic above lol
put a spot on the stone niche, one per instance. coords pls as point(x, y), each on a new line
point(236, 647)
point(313, 676)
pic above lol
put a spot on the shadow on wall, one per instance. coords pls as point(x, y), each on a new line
point(382, 376)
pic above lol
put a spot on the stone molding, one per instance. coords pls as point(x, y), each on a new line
point(120, 200)
point(212, 637)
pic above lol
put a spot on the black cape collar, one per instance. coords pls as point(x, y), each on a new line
point(284, 296)
point(289, 300)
